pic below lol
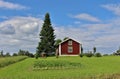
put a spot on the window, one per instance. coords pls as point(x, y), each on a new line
point(70, 49)
point(70, 42)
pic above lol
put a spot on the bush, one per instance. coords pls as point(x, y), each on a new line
point(15, 54)
point(89, 54)
point(98, 55)
point(81, 55)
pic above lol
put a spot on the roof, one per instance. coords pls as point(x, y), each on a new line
point(67, 40)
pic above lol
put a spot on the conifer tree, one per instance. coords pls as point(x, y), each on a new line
point(47, 37)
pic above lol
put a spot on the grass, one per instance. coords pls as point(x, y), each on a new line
point(85, 68)
point(5, 61)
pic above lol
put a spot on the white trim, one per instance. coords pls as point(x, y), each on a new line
point(69, 39)
point(70, 42)
point(69, 55)
point(70, 49)
point(60, 50)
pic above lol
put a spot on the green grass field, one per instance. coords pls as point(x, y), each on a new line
point(89, 68)
point(5, 61)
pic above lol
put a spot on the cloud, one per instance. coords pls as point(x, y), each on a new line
point(20, 33)
point(23, 33)
point(9, 5)
point(86, 17)
point(22, 24)
point(8, 29)
point(115, 8)
point(105, 36)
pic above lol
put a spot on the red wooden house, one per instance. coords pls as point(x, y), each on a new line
point(69, 47)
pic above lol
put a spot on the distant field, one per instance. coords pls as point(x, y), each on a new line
point(87, 68)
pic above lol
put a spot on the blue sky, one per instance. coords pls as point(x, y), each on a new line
point(91, 22)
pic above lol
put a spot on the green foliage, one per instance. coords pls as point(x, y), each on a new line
point(7, 54)
point(24, 53)
point(94, 50)
point(81, 50)
point(57, 42)
point(47, 37)
point(15, 54)
point(1, 54)
point(98, 55)
point(65, 38)
point(37, 55)
point(89, 54)
point(117, 52)
point(21, 52)
point(81, 55)
point(105, 54)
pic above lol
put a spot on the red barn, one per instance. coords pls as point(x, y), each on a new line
point(69, 47)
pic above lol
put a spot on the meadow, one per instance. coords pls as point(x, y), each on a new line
point(5, 61)
point(107, 67)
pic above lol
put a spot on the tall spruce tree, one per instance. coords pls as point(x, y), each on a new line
point(47, 37)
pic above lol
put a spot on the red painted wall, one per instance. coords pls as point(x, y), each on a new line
point(75, 45)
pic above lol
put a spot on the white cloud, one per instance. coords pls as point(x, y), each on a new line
point(8, 29)
point(9, 5)
point(105, 36)
point(22, 24)
point(23, 33)
point(86, 17)
point(20, 33)
point(115, 8)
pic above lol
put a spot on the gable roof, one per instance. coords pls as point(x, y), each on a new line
point(67, 40)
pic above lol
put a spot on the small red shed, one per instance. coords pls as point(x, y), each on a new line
point(69, 47)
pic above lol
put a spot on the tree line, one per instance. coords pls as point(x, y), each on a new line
point(20, 53)
point(117, 52)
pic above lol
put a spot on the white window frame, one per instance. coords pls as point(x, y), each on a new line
point(70, 49)
point(70, 42)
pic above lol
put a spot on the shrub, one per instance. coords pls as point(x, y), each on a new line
point(98, 55)
point(89, 54)
point(81, 55)
point(15, 54)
